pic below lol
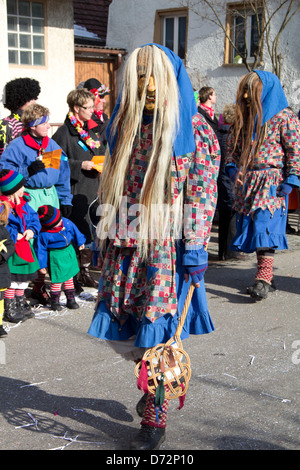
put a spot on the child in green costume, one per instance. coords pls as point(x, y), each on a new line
point(55, 251)
point(7, 248)
point(23, 226)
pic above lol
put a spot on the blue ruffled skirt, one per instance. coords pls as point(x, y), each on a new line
point(261, 230)
point(149, 334)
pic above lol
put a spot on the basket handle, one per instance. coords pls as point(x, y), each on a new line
point(184, 310)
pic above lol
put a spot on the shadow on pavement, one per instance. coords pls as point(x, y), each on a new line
point(22, 403)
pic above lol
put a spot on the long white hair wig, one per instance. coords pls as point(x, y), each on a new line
point(156, 189)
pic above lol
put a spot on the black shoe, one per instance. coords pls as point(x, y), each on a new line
point(272, 287)
point(260, 290)
point(11, 313)
point(56, 306)
point(72, 304)
point(140, 406)
point(24, 307)
point(2, 331)
point(148, 438)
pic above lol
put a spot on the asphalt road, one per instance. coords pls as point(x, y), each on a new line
point(61, 389)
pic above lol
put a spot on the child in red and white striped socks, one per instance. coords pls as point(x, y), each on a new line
point(56, 253)
point(23, 225)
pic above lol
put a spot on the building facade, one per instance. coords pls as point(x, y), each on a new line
point(208, 54)
point(37, 41)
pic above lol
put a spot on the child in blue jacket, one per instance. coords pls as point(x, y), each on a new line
point(23, 226)
point(56, 253)
point(7, 248)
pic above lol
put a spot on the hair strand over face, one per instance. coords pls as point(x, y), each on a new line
point(247, 127)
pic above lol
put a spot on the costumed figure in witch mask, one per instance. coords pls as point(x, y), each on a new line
point(163, 158)
point(23, 226)
point(263, 159)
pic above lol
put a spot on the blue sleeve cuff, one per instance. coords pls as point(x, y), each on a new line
point(230, 169)
point(293, 180)
point(195, 257)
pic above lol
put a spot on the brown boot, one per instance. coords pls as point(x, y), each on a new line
point(84, 277)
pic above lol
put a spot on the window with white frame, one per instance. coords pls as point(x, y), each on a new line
point(174, 34)
point(243, 26)
point(245, 31)
point(171, 30)
point(25, 29)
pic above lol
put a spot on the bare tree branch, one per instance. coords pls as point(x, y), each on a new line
point(211, 10)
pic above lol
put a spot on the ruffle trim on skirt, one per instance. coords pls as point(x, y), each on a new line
point(260, 240)
point(148, 334)
point(262, 230)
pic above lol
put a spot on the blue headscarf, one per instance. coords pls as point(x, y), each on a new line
point(184, 141)
point(273, 99)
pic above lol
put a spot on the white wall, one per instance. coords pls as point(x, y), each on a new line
point(4, 75)
point(131, 24)
point(57, 77)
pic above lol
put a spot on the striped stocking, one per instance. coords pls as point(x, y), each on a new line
point(155, 416)
point(9, 293)
point(265, 260)
point(68, 285)
point(20, 292)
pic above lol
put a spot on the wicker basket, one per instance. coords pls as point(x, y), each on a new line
point(168, 360)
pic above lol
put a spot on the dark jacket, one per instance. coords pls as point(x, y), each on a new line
point(225, 185)
point(99, 127)
point(212, 122)
point(84, 184)
point(5, 276)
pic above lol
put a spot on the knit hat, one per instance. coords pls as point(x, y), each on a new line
point(10, 182)
point(49, 216)
point(92, 83)
point(96, 87)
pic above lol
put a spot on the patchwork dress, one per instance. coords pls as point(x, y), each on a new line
point(145, 299)
point(262, 215)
